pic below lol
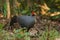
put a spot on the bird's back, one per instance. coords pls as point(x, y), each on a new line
point(26, 21)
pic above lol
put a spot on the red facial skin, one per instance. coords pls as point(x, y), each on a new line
point(33, 13)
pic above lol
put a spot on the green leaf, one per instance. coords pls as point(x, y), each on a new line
point(19, 35)
point(5, 9)
point(55, 17)
point(1, 26)
point(24, 11)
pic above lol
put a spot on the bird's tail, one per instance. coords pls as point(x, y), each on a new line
point(13, 20)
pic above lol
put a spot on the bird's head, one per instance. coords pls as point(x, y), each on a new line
point(33, 13)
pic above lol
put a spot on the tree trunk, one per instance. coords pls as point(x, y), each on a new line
point(8, 9)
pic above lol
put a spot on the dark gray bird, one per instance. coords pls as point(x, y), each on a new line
point(25, 21)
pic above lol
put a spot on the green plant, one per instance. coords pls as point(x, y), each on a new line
point(1, 26)
point(52, 34)
point(5, 35)
point(20, 33)
point(27, 37)
point(5, 9)
point(43, 36)
point(55, 17)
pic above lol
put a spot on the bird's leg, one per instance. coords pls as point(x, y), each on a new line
point(28, 29)
point(24, 29)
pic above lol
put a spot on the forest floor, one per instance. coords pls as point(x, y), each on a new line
point(40, 26)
